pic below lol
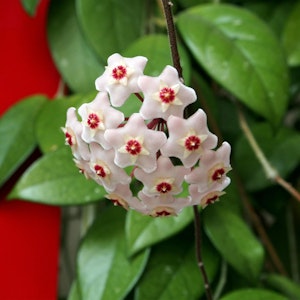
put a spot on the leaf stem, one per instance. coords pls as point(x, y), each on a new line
point(167, 6)
point(270, 172)
point(199, 253)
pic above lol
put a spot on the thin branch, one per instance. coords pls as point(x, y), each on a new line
point(199, 253)
point(167, 5)
point(270, 172)
point(260, 229)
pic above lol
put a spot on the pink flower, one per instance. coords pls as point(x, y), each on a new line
point(211, 173)
point(73, 131)
point(189, 138)
point(120, 77)
point(135, 144)
point(164, 95)
point(104, 171)
point(163, 206)
point(97, 116)
point(122, 196)
point(164, 181)
point(204, 198)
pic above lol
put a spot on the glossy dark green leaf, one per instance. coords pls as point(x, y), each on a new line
point(110, 26)
point(54, 179)
point(240, 52)
point(284, 285)
point(77, 63)
point(17, 134)
point(280, 148)
point(253, 294)
point(291, 36)
point(52, 117)
point(144, 231)
point(232, 237)
point(30, 6)
point(173, 273)
point(104, 270)
point(156, 48)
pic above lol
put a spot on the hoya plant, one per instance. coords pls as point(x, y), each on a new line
point(176, 135)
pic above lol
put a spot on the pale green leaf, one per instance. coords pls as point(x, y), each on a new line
point(253, 294)
point(240, 52)
point(30, 6)
point(77, 63)
point(232, 237)
point(17, 134)
point(291, 36)
point(110, 26)
point(173, 272)
point(54, 179)
point(284, 285)
point(105, 272)
point(52, 117)
point(74, 293)
point(143, 231)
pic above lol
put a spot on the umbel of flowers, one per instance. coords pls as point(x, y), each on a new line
point(154, 161)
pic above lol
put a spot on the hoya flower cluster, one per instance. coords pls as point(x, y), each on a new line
point(143, 161)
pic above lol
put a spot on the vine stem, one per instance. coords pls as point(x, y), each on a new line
point(270, 172)
point(167, 7)
point(199, 253)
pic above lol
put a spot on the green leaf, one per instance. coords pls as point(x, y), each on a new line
point(275, 146)
point(240, 52)
point(17, 130)
point(156, 48)
point(173, 272)
point(54, 179)
point(110, 26)
point(52, 117)
point(104, 270)
point(253, 294)
point(232, 237)
point(291, 38)
point(284, 285)
point(74, 293)
point(30, 6)
point(77, 63)
point(144, 231)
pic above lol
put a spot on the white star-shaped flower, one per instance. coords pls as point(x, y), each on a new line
point(120, 77)
point(189, 138)
point(164, 95)
point(97, 116)
point(135, 144)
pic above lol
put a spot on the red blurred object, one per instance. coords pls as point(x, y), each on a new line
point(29, 233)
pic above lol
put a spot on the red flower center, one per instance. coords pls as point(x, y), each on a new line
point(218, 173)
point(100, 171)
point(119, 72)
point(164, 187)
point(192, 143)
point(163, 213)
point(212, 199)
point(167, 95)
point(93, 121)
point(133, 147)
point(69, 139)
